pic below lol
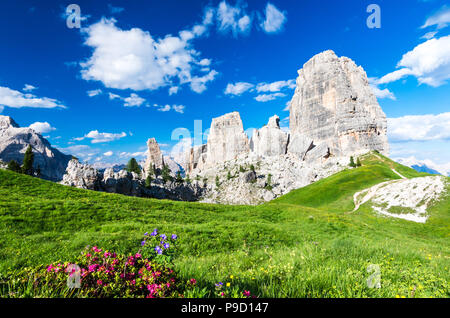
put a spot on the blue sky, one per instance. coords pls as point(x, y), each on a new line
point(140, 69)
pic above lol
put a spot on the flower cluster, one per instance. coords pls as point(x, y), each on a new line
point(106, 274)
point(158, 246)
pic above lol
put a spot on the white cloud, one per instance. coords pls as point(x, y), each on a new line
point(275, 19)
point(164, 108)
point(15, 99)
point(114, 96)
point(233, 19)
point(419, 127)
point(173, 90)
point(238, 88)
point(178, 108)
point(83, 152)
point(268, 97)
point(29, 88)
point(205, 62)
point(133, 154)
point(133, 59)
point(133, 100)
point(42, 127)
point(94, 92)
point(429, 62)
point(198, 83)
point(98, 137)
point(429, 35)
point(394, 76)
point(382, 93)
point(275, 86)
point(441, 19)
point(108, 154)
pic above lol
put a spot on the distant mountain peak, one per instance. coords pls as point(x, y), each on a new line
point(13, 143)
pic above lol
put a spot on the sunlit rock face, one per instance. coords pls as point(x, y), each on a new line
point(82, 176)
point(270, 140)
point(334, 106)
point(227, 139)
point(14, 141)
point(155, 157)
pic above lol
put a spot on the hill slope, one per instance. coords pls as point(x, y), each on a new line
point(301, 245)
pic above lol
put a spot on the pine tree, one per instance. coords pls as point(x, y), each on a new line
point(269, 182)
point(38, 172)
point(27, 167)
point(241, 169)
point(217, 181)
point(14, 166)
point(179, 178)
point(148, 181)
point(352, 162)
point(188, 179)
point(252, 168)
point(358, 162)
point(133, 166)
point(165, 173)
point(228, 175)
point(151, 170)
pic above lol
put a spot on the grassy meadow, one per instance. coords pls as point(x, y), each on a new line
point(307, 243)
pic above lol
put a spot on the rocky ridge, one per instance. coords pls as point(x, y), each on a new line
point(14, 141)
point(333, 115)
point(84, 176)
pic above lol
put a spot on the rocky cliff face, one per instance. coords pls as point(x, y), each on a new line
point(155, 157)
point(333, 115)
point(85, 176)
point(269, 140)
point(227, 139)
point(335, 108)
point(15, 140)
point(81, 176)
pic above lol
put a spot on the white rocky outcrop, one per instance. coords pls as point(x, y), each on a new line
point(334, 105)
point(226, 140)
point(14, 141)
point(406, 199)
point(85, 176)
point(286, 173)
point(81, 176)
point(270, 140)
point(155, 157)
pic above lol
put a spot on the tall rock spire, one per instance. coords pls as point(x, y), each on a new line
point(335, 108)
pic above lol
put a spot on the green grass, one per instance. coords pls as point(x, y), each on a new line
point(304, 244)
